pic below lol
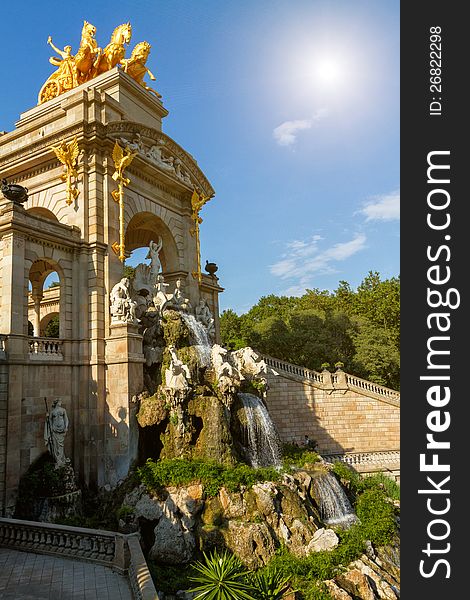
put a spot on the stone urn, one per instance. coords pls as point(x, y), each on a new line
point(15, 193)
point(211, 268)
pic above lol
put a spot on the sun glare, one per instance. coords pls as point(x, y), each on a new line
point(327, 71)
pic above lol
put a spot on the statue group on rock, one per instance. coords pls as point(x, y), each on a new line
point(91, 61)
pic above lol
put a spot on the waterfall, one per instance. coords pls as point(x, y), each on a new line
point(200, 339)
point(264, 446)
point(335, 508)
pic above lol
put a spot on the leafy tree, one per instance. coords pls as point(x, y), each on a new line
point(52, 328)
point(360, 328)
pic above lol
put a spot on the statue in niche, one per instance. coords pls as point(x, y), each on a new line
point(204, 316)
point(123, 308)
point(179, 301)
point(55, 430)
point(177, 377)
point(153, 254)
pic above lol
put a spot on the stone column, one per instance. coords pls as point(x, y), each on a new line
point(124, 379)
point(37, 297)
point(14, 324)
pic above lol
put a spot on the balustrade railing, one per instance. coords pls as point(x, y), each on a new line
point(280, 365)
point(385, 459)
point(116, 550)
point(352, 382)
point(47, 348)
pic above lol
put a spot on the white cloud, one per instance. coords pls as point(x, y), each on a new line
point(304, 259)
point(285, 134)
point(383, 208)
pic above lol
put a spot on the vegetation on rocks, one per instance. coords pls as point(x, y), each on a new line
point(212, 475)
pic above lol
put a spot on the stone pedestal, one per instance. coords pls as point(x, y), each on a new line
point(124, 379)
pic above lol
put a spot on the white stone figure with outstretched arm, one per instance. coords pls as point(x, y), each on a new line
point(154, 255)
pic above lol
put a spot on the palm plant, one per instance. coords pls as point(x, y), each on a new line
point(269, 584)
point(221, 577)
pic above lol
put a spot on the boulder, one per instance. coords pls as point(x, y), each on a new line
point(323, 539)
point(253, 543)
point(356, 584)
point(336, 592)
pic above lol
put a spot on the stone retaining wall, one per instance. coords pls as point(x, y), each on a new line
point(342, 418)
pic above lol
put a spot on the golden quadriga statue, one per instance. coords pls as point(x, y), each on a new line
point(90, 61)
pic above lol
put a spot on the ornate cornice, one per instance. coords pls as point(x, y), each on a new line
point(143, 139)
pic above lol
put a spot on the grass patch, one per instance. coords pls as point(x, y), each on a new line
point(212, 475)
point(294, 456)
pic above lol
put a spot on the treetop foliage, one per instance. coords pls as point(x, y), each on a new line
point(360, 328)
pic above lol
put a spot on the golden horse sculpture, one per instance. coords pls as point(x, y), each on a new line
point(89, 61)
point(136, 68)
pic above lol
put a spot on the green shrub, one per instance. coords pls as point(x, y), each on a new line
point(170, 580)
point(269, 583)
point(221, 577)
point(376, 515)
point(212, 475)
point(294, 456)
point(387, 484)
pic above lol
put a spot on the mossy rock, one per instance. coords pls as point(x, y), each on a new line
point(213, 439)
point(152, 411)
point(213, 513)
point(175, 330)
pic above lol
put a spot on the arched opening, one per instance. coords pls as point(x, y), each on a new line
point(42, 212)
point(146, 227)
point(45, 299)
point(50, 325)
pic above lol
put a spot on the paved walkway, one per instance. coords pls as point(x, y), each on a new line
point(28, 576)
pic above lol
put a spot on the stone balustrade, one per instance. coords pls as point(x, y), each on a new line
point(45, 348)
point(285, 367)
point(374, 388)
point(116, 550)
point(369, 462)
point(317, 378)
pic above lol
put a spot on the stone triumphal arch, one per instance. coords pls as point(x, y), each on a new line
point(73, 223)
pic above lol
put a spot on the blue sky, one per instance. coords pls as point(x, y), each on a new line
point(291, 109)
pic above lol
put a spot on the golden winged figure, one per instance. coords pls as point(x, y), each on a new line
point(122, 159)
point(68, 153)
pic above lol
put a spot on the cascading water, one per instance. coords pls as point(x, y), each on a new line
point(264, 446)
point(335, 508)
point(200, 338)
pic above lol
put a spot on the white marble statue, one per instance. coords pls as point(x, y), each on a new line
point(228, 377)
point(123, 308)
point(179, 300)
point(177, 377)
point(249, 363)
point(154, 255)
point(55, 430)
point(165, 162)
point(136, 145)
point(204, 316)
point(160, 295)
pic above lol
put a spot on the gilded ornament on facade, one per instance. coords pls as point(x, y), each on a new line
point(122, 159)
point(197, 202)
point(90, 61)
point(67, 153)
